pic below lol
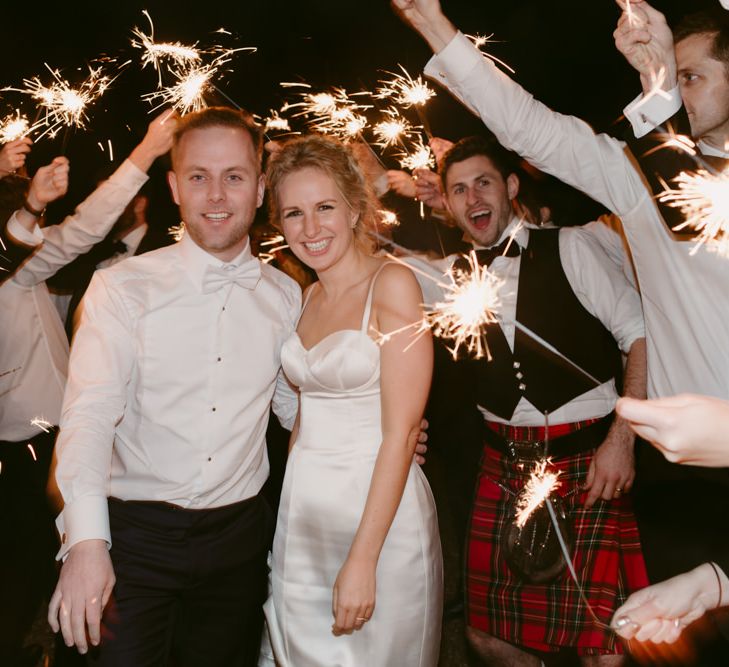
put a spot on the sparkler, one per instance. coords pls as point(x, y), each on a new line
point(276, 243)
point(421, 157)
point(388, 218)
point(41, 424)
point(536, 491)
point(177, 231)
point(14, 126)
point(188, 94)
point(470, 303)
point(276, 123)
point(703, 199)
point(480, 41)
point(62, 104)
point(402, 89)
point(180, 55)
point(393, 130)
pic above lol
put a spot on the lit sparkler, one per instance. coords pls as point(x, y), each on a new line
point(177, 231)
point(393, 130)
point(62, 104)
point(275, 244)
point(402, 89)
point(332, 112)
point(14, 126)
point(703, 199)
point(536, 491)
point(388, 218)
point(470, 303)
point(421, 157)
point(480, 41)
point(276, 123)
point(180, 55)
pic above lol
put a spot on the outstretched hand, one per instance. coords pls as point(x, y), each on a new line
point(659, 613)
point(687, 428)
point(157, 141)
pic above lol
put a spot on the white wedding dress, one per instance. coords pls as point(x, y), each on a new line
point(325, 487)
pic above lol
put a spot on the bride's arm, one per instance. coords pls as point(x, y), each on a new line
point(406, 370)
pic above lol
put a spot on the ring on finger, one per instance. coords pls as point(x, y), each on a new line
point(362, 618)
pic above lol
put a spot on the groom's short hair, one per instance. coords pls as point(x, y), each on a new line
point(713, 22)
point(220, 117)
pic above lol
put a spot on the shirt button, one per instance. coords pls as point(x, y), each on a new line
point(214, 409)
point(210, 458)
point(516, 364)
point(522, 387)
point(219, 358)
point(223, 307)
point(519, 375)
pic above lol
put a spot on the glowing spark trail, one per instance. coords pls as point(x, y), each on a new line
point(180, 55)
point(391, 131)
point(64, 105)
point(420, 158)
point(42, 424)
point(333, 112)
point(469, 304)
point(402, 89)
point(703, 199)
point(14, 126)
point(276, 123)
point(480, 41)
point(538, 488)
point(388, 218)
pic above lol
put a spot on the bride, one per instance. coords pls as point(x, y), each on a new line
point(356, 575)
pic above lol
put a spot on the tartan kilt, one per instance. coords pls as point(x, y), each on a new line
point(606, 555)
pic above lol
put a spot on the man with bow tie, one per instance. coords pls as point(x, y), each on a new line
point(561, 286)
point(161, 454)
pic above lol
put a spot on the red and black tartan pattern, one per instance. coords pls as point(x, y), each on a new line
point(606, 554)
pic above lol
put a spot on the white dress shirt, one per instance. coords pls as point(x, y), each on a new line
point(33, 345)
point(685, 297)
point(600, 286)
point(169, 387)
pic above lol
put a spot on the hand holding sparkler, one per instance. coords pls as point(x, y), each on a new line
point(646, 41)
point(157, 141)
point(428, 188)
point(688, 428)
point(49, 183)
point(12, 155)
point(660, 612)
point(426, 16)
point(401, 183)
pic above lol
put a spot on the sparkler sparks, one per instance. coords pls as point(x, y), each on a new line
point(421, 157)
point(276, 123)
point(332, 112)
point(538, 488)
point(14, 126)
point(391, 131)
point(177, 231)
point(470, 304)
point(62, 104)
point(388, 218)
point(41, 424)
point(275, 244)
point(188, 94)
point(402, 89)
point(480, 41)
point(180, 55)
point(703, 199)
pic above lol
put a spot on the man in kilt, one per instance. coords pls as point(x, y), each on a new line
point(580, 312)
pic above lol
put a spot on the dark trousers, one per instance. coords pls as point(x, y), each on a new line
point(189, 585)
point(27, 539)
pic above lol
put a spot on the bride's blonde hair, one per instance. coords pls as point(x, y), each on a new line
point(338, 162)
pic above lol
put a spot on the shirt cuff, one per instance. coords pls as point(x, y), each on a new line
point(454, 61)
point(645, 114)
point(20, 234)
point(86, 518)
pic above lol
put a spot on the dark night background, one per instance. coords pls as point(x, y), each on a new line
point(562, 52)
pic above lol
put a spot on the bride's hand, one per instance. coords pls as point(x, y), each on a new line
point(353, 599)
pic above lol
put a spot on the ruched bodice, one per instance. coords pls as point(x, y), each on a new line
point(325, 489)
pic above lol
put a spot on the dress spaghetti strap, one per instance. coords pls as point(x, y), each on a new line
point(368, 303)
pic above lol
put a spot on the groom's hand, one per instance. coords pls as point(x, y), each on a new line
point(84, 587)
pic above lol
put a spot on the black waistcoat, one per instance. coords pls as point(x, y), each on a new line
point(548, 307)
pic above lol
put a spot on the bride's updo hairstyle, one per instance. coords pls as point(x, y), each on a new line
point(337, 161)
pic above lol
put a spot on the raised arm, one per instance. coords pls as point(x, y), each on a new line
point(406, 369)
point(94, 218)
point(563, 146)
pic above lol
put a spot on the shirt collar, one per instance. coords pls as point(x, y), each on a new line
point(708, 149)
point(196, 260)
point(518, 228)
point(134, 238)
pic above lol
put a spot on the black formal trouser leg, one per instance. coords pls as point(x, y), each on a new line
point(189, 585)
point(27, 539)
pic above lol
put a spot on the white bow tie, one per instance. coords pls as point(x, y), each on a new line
point(246, 275)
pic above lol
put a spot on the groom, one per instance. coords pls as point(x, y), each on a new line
point(161, 453)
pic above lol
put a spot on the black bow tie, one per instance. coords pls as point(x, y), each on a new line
point(507, 248)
